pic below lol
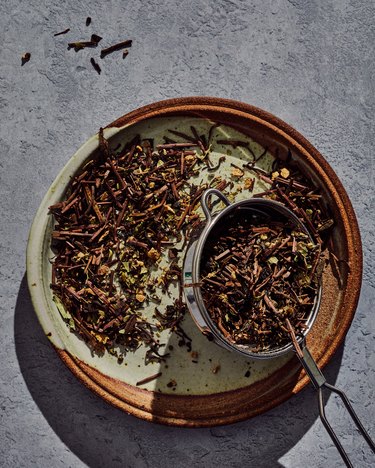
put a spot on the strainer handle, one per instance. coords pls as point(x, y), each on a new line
point(205, 199)
point(319, 382)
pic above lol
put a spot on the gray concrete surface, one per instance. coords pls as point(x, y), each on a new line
point(311, 63)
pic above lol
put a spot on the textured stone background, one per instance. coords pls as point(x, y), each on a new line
point(309, 62)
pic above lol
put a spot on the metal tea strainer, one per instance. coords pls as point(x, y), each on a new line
point(251, 209)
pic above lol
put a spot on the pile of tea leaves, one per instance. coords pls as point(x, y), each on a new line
point(121, 213)
point(132, 209)
point(254, 276)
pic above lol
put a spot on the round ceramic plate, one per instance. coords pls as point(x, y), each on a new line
point(211, 386)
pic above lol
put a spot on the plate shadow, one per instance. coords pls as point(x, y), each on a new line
point(101, 435)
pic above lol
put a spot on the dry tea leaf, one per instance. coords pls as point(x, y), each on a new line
point(140, 297)
point(96, 66)
point(25, 58)
point(249, 183)
point(153, 254)
point(62, 32)
point(115, 47)
point(284, 173)
point(103, 270)
point(237, 172)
